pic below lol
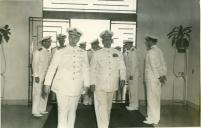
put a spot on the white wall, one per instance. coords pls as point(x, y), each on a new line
point(158, 17)
point(16, 13)
point(193, 93)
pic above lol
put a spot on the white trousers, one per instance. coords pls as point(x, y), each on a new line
point(67, 106)
point(133, 93)
point(103, 105)
point(153, 100)
point(38, 103)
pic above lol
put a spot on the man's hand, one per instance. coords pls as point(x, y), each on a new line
point(46, 90)
point(162, 79)
point(37, 79)
point(122, 83)
point(92, 87)
point(131, 78)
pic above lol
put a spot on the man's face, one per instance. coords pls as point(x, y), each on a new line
point(148, 44)
point(73, 39)
point(61, 41)
point(118, 48)
point(107, 43)
point(83, 46)
point(46, 44)
point(128, 45)
point(94, 45)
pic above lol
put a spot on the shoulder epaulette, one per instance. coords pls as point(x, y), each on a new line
point(132, 49)
point(99, 48)
point(80, 50)
point(59, 48)
point(39, 49)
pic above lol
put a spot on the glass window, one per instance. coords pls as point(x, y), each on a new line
point(123, 30)
point(53, 27)
point(90, 28)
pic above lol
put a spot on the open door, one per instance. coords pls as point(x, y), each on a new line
point(35, 35)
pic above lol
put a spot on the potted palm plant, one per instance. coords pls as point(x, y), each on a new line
point(180, 37)
point(4, 34)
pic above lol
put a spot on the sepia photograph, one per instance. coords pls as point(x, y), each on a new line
point(100, 63)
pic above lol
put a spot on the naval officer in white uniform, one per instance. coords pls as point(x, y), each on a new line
point(83, 45)
point(155, 77)
point(132, 71)
point(88, 98)
point(107, 66)
point(72, 75)
point(61, 40)
point(94, 47)
point(40, 63)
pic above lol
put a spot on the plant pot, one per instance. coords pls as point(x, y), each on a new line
point(182, 45)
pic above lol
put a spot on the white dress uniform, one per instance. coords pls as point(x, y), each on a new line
point(105, 67)
point(53, 51)
point(132, 69)
point(40, 63)
point(90, 53)
point(88, 97)
point(155, 67)
point(72, 73)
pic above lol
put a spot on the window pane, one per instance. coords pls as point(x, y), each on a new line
point(53, 27)
point(123, 30)
point(90, 28)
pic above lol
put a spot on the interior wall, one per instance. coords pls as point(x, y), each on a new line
point(193, 93)
point(15, 13)
point(158, 17)
point(155, 17)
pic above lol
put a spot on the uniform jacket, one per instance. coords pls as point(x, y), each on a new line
point(132, 63)
point(155, 65)
point(56, 49)
point(72, 71)
point(91, 52)
point(40, 63)
point(107, 66)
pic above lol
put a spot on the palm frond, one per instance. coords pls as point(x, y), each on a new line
point(4, 33)
point(174, 30)
point(173, 41)
point(180, 34)
point(187, 35)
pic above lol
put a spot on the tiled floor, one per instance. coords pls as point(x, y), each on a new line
point(20, 117)
point(177, 116)
point(171, 116)
point(120, 118)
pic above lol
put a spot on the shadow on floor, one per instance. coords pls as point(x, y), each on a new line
point(86, 118)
